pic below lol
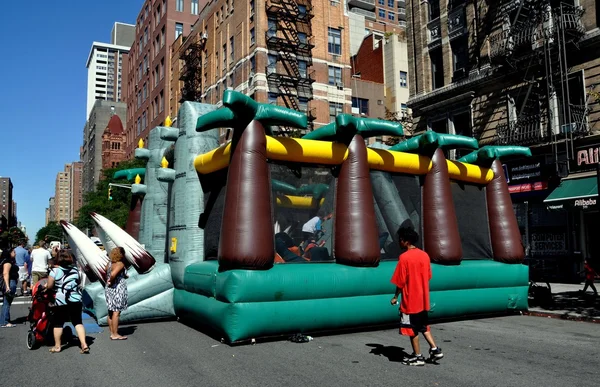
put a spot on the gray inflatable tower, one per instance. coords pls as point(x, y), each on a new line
point(153, 223)
point(186, 239)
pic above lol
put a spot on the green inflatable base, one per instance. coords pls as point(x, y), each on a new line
point(291, 298)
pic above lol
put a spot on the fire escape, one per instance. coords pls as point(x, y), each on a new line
point(191, 72)
point(534, 43)
point(289, 73)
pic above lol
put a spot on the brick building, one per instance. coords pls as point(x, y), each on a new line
point(292, 53)
point(62, 196)
point(520, 73)
point(75, 188)
point(158, 24)
point(68, 191)
point(113, 143)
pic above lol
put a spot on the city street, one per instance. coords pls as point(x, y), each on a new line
point(505, 351)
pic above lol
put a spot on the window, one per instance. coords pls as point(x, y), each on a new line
point(155, 107)
point(156, 76)
point(225, 57)
point(162, 37)
point(303, 104)
point(179, 5)
point(144, 120)
point(302, 68)
point(157, 17)
point(302, 9)
point(178, 29)
point(145, 68)
point(335, 109)
point(162, 68)
point(437, 68)
point(439, 126)
point(403, 79)
point(253, 64)
point(231, 49)
point(272, 27)
point(251, 7)
point(391, 16)
point(381, 2)
point(139, 99)
point(462, 126)
point(302, 37)
point(272, 98)
point(161, 100)
point(361, 104)
point(434, 9)
point(145, 36)
point(271, 64)
point(139, 126)
point(460, 57)
point(334, 41)
point(145, 91)
point(194, 7)
point(335, 75)
point(391, 3)
point(252, 37)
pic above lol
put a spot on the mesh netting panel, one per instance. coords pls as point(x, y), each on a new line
point(471, 213)
point(299, 194)
point(397, 204)
point(210, 221)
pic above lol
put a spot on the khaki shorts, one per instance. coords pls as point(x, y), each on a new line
point(37, 275)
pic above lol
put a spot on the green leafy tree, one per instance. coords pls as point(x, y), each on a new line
point(117, 209)
point(49, 232)
point(12, 237)
point(405, 118)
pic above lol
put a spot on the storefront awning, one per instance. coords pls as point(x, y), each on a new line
point(574, 193)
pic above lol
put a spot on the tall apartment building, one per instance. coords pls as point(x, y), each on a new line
point(159, 23)
point(91, 151)
point(294, 53)
point(6, 201)
point(67, 200)
point(380, 12)
point(520, 73)
point(75, 187)
point(62, 196)
point(106, 65)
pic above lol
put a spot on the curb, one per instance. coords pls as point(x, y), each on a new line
point(568, 317)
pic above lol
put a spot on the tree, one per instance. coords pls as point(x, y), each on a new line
point(52, 230)
point(405, 118)
point(117, 209)
point(12, 237)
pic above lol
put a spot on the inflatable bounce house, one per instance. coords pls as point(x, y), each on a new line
point(221, 242)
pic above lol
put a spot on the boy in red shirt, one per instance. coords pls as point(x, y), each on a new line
point(590, 274)
point(411, 278)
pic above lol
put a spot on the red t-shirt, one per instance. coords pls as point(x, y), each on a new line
point(589, 272)
point(412, 276)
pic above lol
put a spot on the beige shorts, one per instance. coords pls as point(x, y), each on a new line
point(23, 274)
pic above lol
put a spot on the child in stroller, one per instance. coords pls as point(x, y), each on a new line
point(39, 318)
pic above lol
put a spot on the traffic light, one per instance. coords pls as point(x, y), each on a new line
point(109, 193)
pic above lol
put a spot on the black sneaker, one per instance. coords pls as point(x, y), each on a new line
point(436, 353)
point(414, 360)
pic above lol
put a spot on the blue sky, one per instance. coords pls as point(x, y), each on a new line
point(44, 47)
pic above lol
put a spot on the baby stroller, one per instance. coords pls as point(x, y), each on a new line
point(40, 329)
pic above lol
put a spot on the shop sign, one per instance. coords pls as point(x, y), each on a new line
point(586, 158)
point(526, 171)
point(528, 187)
point(575, 204)
point(548, 244)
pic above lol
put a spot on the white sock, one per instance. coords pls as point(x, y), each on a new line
point(433, 348)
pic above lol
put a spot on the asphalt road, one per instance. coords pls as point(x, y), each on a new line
point(506, 351)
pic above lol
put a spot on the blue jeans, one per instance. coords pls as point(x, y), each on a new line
point(8, 299)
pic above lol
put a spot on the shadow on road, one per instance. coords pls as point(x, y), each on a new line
point(393, 353)
point(128, 330)
point(584, 304)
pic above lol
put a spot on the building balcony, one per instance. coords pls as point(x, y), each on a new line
point(291, 10)
point(501, 45)
point(434, 33)
point(457, 24)
point(367, 14)
point(527, 130)
point(568, 18)
point(363, 4)
point(301, 47)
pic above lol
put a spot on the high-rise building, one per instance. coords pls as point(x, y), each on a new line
point(113, 143)
point(76, 188)
point(520, 73)
point(158, 24)
point(62, 196)
point(6, 201)
point(106, 66)
point(51, 210)
point(294, 53)
point(91, 151)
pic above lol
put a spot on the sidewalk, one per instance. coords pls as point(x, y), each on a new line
point(568, 303)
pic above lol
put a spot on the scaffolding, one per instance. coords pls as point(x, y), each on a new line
point(534, 42)
point(190, 74)
point(290, 74)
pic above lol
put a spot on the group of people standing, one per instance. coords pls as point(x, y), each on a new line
point(64, 280)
